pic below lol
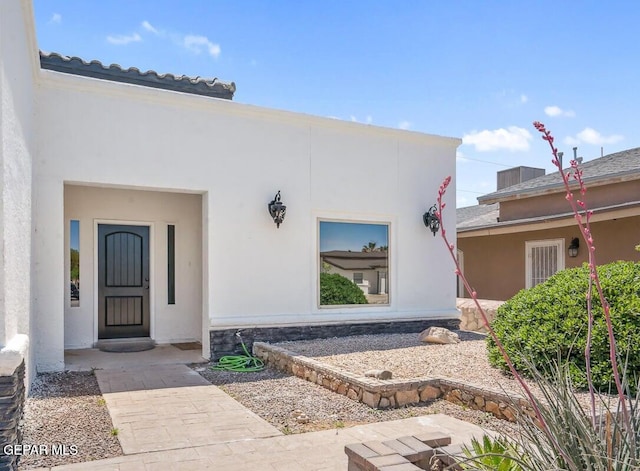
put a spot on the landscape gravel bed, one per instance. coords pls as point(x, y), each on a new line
point(294, 405)
point(67, 409)
point(407, 357)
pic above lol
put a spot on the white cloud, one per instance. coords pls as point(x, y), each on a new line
point(557, 111)
point(56, 18)
point(197, 44)
point(524, 98)
point(368, 119)
point(513, 138)
point(121, 40)
point(593, 137)
point(149, 27)
point(460, 157)
point(404, 125)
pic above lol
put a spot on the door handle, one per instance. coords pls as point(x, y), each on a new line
point(146, 283)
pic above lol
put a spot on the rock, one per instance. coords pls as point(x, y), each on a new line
point(407, 397)
point(429, 393)
point(371, 399)
point(379, 374)
point(438, 335)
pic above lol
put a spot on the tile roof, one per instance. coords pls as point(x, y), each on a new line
point(620, 164)
point(95, 69)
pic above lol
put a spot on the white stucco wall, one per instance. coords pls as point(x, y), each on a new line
point(169, 322)
point(100, 133)
point(17, 70)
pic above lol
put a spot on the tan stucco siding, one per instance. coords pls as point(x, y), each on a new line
point(548, 205)
point(495, 265)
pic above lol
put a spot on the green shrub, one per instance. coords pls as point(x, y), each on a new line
point(336, 289)
point(550, 321)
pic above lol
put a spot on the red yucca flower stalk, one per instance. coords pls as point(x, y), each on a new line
point(443, 233)
point(582, 216)
point(578, 205)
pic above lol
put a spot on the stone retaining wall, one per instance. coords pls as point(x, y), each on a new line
point(225, 341)
point(470, 318)
point(393, 393)
point(12, 394)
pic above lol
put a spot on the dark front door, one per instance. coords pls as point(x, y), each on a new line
point(123, 281)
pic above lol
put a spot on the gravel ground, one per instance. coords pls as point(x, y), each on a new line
point(67, 409)
point(294, 405)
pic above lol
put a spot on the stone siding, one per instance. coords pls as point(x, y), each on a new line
point(393, 393)
point(225, 341)
point(12, 395)
point(470, 318)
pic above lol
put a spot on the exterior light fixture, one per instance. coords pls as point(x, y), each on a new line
point(573, 247)
point(277, 210)
point(431, 220)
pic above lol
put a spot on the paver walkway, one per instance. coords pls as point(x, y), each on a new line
point(315, 451)
point(164, 407)
point(170, 418)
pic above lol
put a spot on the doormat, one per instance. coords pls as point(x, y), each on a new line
point(188, 345)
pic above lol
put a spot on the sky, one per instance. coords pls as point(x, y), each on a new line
point(481, 71)
point(351, 236)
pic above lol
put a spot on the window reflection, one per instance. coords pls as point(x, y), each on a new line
point(354, 261)
point(74, 271)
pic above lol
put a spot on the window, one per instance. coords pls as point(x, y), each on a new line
point(543, 259)
point(74, 262)
point(353, 261)
point(171, 264)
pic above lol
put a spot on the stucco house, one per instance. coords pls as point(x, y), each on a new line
point(368, 270)
point(161, 186)
point(524, 232)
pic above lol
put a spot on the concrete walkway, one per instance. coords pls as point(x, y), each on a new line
point(170, 418)
point(165, 407)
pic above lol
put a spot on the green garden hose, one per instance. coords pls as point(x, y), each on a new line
point(240, 363)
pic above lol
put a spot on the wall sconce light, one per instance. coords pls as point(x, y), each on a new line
point(573, 247)
point(277, 210)
point(431, 220)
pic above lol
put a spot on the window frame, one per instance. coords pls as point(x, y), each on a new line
point(319, 308)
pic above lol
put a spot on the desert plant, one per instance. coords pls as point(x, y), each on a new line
point(557, 433)
point(336, 289)
point(491, 454)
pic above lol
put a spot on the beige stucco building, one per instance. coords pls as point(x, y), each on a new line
point(520, 235)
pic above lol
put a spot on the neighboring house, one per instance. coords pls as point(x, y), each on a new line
point(520, 235)
point(366, 269)
point(162, 183)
